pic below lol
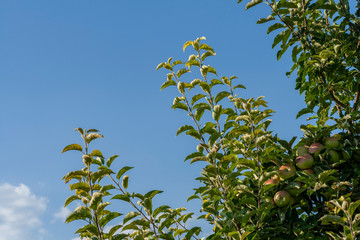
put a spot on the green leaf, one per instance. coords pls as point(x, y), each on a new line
point(205, 87)
point(303, 112)
point(191, 63)
point(353, 206)
point(199, 159)
point(81, 212)
point(274, 27)
point(101, 207)
point(167, 84)
point(264, 20)
point(80, 186)
point(176, 62)
point(112, 215)
point(221, 95)
point(239, 86)
point(197, 97)
point(252, 4)
point(110, 160)
point(92, 130)
point(279, 38)
point(206, 47)
point(70, 147)
point(213, 138)
point(188, 43)
point(80, 130)
point(160, 209)
point(198, 113)
point(71, 199)
point(88, 228)
point(324, 176)
point(193, 197)
point(207, 54)
point(122, 197)
point(114, 230)
point(182, 71)
point(125, 181)
point(192, 155)
point(95, 200)
point(119, 236)
point(194, 133)
point(152, 193)
point(122, 171)
point(93, 136)
point(78, 174)
point(217, 112)
point(191, 232)
point(160, 66)
point(96, 153)
point(243, 162)
point(180, 105)
point(332, 219)
point(183, 129)
point(130, 216)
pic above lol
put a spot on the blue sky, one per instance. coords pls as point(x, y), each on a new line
point(91, 64)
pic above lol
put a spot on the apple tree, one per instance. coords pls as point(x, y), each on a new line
point(254, 185)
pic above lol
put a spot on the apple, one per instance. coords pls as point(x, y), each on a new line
point(338, 136)
point(304, 162)
point(271, 181)
point(282, 198)
point(332, 142)
point(301, 151)
point(315, 148)
point(334, 156)
point(286, 171)
point(293, 188)
point(309, 171)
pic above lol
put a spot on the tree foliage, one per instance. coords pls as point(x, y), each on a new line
point(254, 185)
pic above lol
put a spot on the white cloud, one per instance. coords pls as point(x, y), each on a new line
point(20, 212)
point(62, 214)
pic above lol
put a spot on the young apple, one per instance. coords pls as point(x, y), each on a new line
point(286, 171)
point(282, 198)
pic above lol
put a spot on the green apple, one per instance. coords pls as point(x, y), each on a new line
point(332, 142)
point(304, 162)
point(334, 156)
point(293, 188)
point(301, 151)
point(286, 171)
point(315, 148)
point(282, 198)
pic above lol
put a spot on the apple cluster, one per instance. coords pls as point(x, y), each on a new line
point(306, 156)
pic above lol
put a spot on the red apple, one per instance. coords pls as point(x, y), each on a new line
point(309, 171)
point(332, 142)
point(271, 181)
point(334, 156)
point(286, 171)
point(282, 198)
point(301, 151)
point(315, 148)
point(304, 162)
